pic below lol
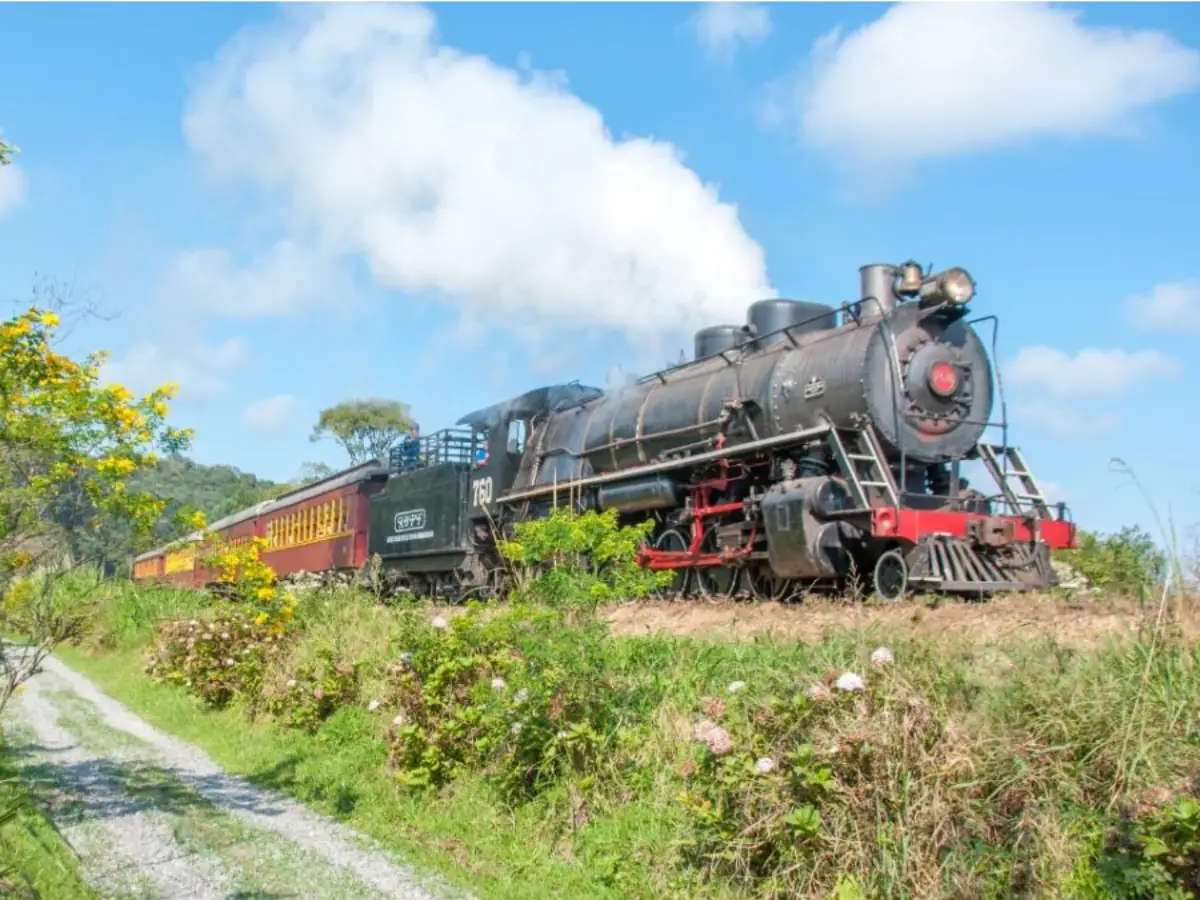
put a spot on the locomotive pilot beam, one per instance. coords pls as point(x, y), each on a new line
point(810, 447)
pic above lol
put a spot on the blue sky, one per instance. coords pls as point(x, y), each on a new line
point(284, 207)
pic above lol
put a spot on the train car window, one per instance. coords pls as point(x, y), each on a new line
point(516, 436)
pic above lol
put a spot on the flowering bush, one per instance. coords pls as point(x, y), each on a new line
point(756, 789)
point(315, 692)
point(521, 697)
point(244, 578)
point(218, 661)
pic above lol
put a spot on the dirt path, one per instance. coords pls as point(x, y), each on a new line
point(153, 817)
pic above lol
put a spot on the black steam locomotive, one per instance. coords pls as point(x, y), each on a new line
point(809, 447)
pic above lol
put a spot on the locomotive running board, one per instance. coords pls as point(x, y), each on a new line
point(780, 440)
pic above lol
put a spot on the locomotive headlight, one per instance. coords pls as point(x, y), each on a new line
point(952, 286)
point(958, 286)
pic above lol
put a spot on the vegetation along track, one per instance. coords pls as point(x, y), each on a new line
point(151, 816)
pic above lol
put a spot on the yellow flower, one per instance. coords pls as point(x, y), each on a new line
point(50, 319)
point(260, 618)
point(266, 593)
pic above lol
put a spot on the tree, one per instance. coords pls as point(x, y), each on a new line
point(313, 471)
point(364, 428)
point(63, 436)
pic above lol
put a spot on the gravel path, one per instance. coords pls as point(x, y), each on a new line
point(154, 817)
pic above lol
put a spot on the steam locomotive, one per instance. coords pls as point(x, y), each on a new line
point(810, 447)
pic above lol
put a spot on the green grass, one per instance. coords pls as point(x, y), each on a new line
point(35, 862)
point(969, 768)
point(463, 833)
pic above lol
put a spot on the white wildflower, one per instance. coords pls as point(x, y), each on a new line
point(516, 728)
point(399, 720)
point(736, 687)
point(438, 622)
point(848, 681)
point(291, 682)
point(224, 635)
point(229, 660)
point(562, 735)
point(520, 697)
point(498, 684)
point(816, 692)
point(764, 765)
point(882, 657)
point(372, 706)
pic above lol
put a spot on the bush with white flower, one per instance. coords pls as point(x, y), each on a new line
point(520, 696)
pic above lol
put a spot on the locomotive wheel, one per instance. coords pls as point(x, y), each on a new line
point(891, 576)
point(715, 582)
point(764, 585)
point(673, 541)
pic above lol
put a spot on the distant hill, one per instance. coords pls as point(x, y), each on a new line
point(217, 490)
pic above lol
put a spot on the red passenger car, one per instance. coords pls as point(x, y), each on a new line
point(319, 527)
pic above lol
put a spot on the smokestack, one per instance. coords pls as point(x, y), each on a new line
point(877, 296)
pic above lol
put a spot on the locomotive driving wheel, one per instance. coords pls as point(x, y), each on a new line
point(715, 582)
point(765, 585)
point(673, 541)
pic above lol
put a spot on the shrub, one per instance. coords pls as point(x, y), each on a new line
point(521, 696)
point(218, 661)
point(570, 559)
point(1154, 855)
point(1128, 561)
point(315, 692)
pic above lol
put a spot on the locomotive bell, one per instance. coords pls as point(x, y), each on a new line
point(910, 279)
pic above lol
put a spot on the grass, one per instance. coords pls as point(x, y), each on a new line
point(35, 861)
point(990, 761)
point(967, 769)
point(462, 833)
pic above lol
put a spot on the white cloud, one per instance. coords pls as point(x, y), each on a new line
point(1063, 422)
point(1168, 307)
point(720, 27)
point(201, 370)
point(287, 280)
point(1089, 373)
point(12, 189)
point(460, 180)
point(936, 79)
point(272, 415)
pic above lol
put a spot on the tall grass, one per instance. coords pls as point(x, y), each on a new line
point(964, 769)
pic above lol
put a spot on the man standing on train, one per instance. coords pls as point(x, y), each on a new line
point(410, 448)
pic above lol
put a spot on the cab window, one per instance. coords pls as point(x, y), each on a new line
point(516, 437)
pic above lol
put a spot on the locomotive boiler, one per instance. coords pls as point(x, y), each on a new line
point(793, 367)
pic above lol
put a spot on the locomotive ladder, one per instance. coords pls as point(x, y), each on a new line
point(1017, 484)
point(861, 458)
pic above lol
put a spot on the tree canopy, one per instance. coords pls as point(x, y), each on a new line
point(70, 448)
point(364, 428)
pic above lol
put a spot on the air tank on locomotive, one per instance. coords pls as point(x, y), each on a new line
point(916, 370)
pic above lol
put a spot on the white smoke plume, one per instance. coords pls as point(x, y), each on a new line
point(456, 179)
